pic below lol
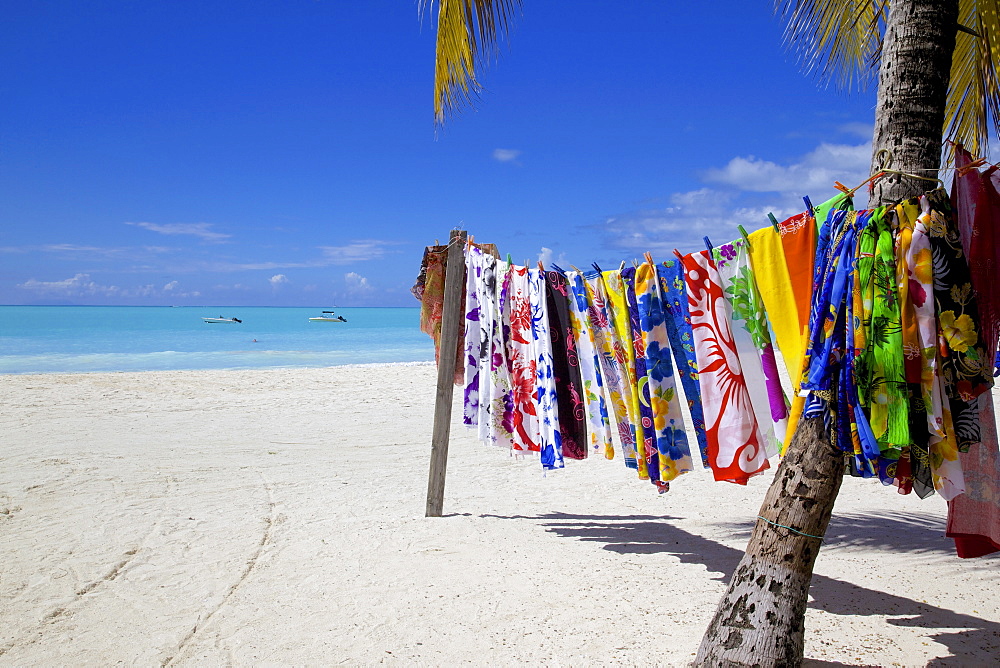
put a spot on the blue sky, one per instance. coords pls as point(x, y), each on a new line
point(284, 152)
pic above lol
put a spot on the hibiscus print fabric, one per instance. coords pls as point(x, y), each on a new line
point(735, 443)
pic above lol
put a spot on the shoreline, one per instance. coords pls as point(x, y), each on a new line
point(276, 516)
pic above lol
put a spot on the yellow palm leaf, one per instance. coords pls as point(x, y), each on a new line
point(974, 91)
point(837, 39)
point(468, 33)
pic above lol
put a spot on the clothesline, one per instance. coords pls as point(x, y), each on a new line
point(892, 359)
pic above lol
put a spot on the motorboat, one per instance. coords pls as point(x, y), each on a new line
point(328, 316)
point(220, 319)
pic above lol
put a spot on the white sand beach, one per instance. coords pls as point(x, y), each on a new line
point(277, 517)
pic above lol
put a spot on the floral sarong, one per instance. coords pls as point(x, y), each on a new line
point(735, 444)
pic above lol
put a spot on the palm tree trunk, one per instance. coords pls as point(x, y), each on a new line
point(913, 84)
point(760, 619)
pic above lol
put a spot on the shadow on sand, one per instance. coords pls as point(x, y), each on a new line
point(973, 640)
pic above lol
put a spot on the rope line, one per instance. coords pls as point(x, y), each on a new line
point(801, 533)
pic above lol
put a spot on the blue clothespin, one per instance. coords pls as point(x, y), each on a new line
point(809, 205)
point(594, 265)
point(708, 245)
point(558, 268)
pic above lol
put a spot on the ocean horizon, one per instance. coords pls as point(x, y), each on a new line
point(86, 339)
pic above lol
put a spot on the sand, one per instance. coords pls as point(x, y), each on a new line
point(276, 517)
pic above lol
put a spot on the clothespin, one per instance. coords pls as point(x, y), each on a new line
point(649, 257)
point(841, 187)
point(508, 259)
point(678, 254)
point(744, 233)
point(809, 205)
point(540, 267)
point(962, 171)
point(621, 266)
point(594, 265)
point(576, 269)
point(774, 222)
point(708, 245)
point(468, 241)
point(558, 268)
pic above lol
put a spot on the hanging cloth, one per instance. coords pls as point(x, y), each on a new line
point(432, 304)
point(668, 422)
point(974, 517)
point(625, 347)
point(522, 366)
point(735, 444)
point(781, 302)
point(598, 422)
point(641, 387)
point(612, 360)
point(566, 368)
point(473, 337)
point(678, 321)
point(501, 389)
point(753, 341)
point(550, 440)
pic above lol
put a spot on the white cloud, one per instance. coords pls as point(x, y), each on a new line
point(200, 230)
point(545, 257)
point(357, 285)
point(73, 248)
point(80, 284)
point(742, 192)
point(277, 280)
point(814, 173)
point(506, 155)
point(356, 251)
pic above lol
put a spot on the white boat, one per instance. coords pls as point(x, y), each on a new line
point(328, 316)
point(221, 319)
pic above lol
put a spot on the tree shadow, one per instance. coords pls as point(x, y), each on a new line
point(974, 640)
point(910, 532)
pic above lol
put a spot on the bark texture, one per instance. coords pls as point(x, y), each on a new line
point(760, 620)
point(913, 83)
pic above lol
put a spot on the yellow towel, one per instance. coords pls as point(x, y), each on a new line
point(771, 273)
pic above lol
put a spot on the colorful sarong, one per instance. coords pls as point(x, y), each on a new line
point(735, 444)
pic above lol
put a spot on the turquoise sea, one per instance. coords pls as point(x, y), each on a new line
point(78, 339)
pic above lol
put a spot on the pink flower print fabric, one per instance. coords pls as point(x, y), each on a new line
point(521, 362)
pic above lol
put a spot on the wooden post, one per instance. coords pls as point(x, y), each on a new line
point(451, 322)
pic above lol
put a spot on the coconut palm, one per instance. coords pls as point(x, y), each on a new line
point(937, 63)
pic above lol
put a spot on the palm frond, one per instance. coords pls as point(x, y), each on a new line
point(838, 40)
point(974, 91)
point(468, 32)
